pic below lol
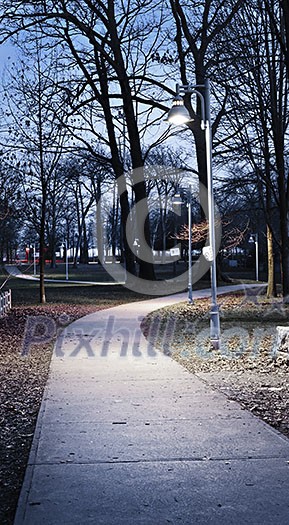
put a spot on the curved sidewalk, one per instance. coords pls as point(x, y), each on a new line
point(126, 436)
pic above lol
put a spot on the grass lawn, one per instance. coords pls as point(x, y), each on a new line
point(26, 292)
point(94, 272)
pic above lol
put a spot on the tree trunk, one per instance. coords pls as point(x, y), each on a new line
point(1, 252)
point(99, 228)
point(115, 161)
point(42, 296)
point(84, 259)
point(270, 255)
point(284, 252)
point(52, 247)
point(114, 223)
point(128, 255)
point(77, 247)
point(79, 225)
point(146, 268)
point(283, 204)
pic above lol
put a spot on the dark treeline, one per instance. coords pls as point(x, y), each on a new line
point(84, 145)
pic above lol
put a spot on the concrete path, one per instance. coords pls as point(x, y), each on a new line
point(126, 436)
point(15, 271)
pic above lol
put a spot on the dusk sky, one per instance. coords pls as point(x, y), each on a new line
point(6, 51)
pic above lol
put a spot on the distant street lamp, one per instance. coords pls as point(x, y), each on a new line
point(32, 246)
point(178, 115)
point(66, 260)
point(34, 259)
point(178, 201)
point(136, 246)
point(254, 238)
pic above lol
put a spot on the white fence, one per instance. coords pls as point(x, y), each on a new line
point(5, 302)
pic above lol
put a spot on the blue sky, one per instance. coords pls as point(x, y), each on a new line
point(6, 51)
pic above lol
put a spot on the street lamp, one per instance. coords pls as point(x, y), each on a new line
point(34, 259)
point(178, 201)
point(190, 283)
point(254, 238)
point(178, 115)
point(136, 245)
point(66, 259)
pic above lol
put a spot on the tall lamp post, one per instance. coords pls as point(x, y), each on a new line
point(34, 259)
point(190, 284)
point(254, 238)
point(179, 115)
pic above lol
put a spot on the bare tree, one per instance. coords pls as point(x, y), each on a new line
point(86, 179)
point(199, 28)
point(105, 41)
point(123, 57)
point(165, 173)
point(258, 117)
point(278, 12)
point(11, 210)
point(36, 136)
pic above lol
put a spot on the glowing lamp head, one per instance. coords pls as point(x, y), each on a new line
point(178, 113)
point(177, 200)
